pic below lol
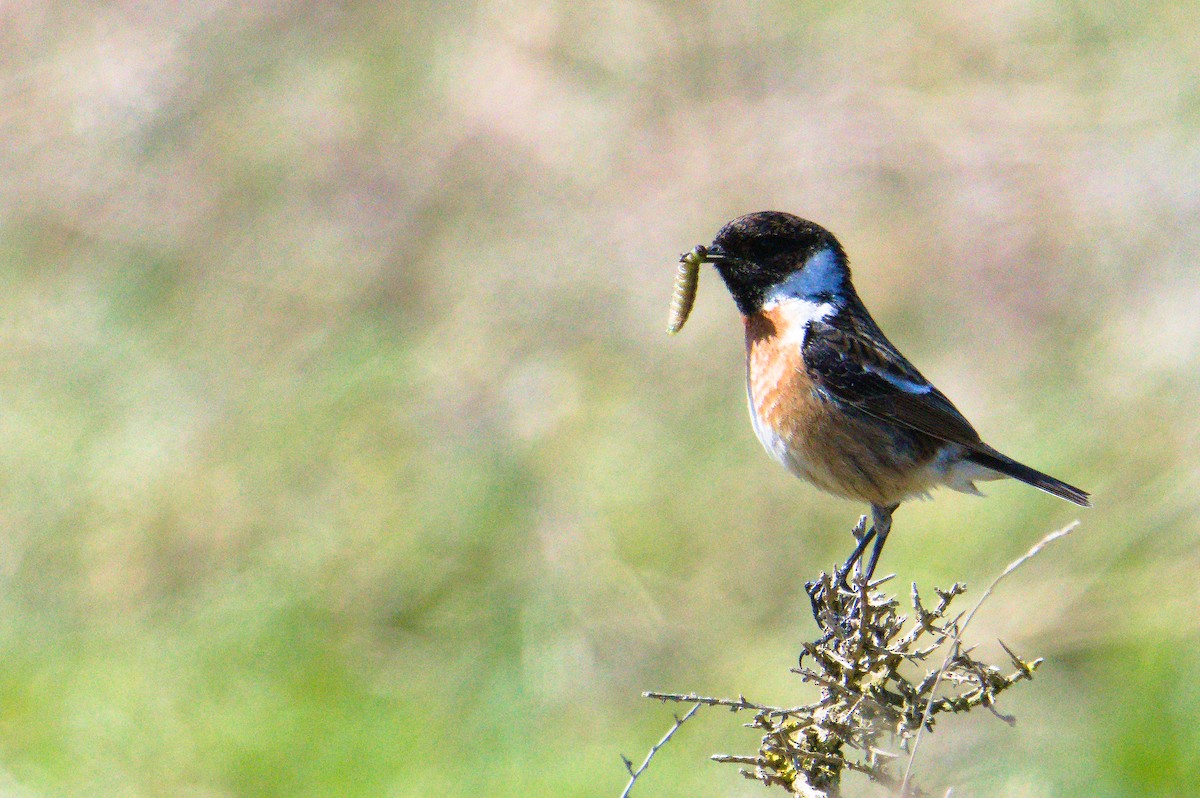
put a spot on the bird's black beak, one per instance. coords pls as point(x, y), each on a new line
point(702, 254)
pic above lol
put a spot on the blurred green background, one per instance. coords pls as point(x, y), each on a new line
point(342, 451)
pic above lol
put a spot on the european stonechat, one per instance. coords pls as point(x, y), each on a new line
point(830, 398)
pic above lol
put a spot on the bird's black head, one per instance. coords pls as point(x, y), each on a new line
point(759, 251)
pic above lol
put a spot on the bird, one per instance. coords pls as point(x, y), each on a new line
point(831, 399)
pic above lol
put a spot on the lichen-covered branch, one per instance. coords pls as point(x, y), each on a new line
point(876, 689)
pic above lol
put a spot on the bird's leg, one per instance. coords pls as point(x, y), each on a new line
point(863, 538)
point(817, 590)
point(881, 527)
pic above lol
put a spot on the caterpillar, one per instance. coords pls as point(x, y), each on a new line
point(687, 278)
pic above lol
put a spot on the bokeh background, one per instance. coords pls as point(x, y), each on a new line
point(342, 451)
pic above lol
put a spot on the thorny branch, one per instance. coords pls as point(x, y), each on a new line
point(1025, 669)
point(633, 774)
point(875, 693)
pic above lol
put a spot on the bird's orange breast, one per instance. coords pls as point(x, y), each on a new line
point(842, 452)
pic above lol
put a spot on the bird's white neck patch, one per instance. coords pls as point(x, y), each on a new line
point(823, 274)
point(799, 314)
point(810, 294)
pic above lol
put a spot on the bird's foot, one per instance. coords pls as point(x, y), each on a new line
point(835, 604)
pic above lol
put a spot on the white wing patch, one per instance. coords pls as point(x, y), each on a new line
point(905, 385)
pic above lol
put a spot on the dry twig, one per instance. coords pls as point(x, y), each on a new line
point(874, 692)
point(1025, 668)
point(633, 774)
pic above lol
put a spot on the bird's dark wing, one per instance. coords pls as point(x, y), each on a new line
point(848, 357)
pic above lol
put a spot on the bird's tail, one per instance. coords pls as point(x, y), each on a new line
point(989, 457)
